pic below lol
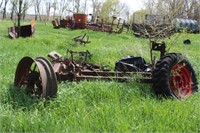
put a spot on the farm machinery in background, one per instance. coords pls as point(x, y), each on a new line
point(172, 75)
point(155, 25)
point(79, 21)
point(116, 25)
point(21, 31)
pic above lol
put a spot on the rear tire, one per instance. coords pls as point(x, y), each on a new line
point(174, 76)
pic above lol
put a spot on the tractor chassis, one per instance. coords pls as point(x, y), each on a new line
point(70, 70)
point(172, 75)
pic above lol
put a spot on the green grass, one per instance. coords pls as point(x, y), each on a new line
point(95, 106)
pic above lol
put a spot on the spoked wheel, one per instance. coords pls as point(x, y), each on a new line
point(174, 76)
point(36, 76)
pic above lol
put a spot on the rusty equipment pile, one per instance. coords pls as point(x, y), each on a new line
point(156, 26)
point(155, 31)
point(63, 23)
point(112, 27)
point(172, 75)
point(79, 21)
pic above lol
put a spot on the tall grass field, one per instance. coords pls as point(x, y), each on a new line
point(93, 106)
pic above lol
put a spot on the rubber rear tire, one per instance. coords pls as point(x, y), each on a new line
point(174, 76)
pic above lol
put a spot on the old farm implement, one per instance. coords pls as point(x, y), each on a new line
point(79, 21)
point(82, 39)
point(21, 30)
point(172, 75)
point(116, 26)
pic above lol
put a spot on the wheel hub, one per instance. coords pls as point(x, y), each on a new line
point(180, 81)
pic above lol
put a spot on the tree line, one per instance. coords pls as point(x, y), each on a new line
point(172, 8)
point(102, 8)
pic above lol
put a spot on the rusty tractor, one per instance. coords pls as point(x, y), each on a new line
point(172, 75)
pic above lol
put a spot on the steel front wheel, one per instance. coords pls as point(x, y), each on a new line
point(36, 77)
point(174, 76)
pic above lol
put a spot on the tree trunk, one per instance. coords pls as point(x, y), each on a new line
point(12, 11)
point(36, 16)
point(77, 6)
point(4, 9)
point(38, 11)
point(95, 8)
point(85, 6)
point(54, 9)
point(1, 3)
point(19, 17)
point(24, 15)
point(48, 8)
point(25, 7)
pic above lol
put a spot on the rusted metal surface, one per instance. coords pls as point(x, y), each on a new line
point(113, 27)
point(40, 77)
point(63, 23)
point(23, 31)
point(96, 27)
point(85, 54)
point(70, 70)
point(55, 24)
point(78, 21)
point(66, 23)
point(12, 33)
point(36, 77)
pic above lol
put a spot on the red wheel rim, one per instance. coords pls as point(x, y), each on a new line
point(180, 81)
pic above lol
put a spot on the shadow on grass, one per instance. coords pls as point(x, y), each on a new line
point(145, 91)
point(20, 99)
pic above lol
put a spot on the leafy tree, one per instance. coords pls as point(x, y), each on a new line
point(174, 8)
point(1, 3)
point(109, 9)
point(37, 9)
point(138, 16)
point(26, 5)
point(48, 4)
point(96, 5)
point(13, 7)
